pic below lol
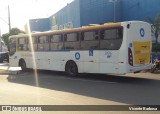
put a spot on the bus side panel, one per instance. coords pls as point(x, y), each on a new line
point(89, 61)
point(50, 60)
point(109, 61)
point(123, 54)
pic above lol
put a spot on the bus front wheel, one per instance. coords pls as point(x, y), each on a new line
point(71, 68)
point(22, 64)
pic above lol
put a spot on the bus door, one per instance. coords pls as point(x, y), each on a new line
point(139, 43)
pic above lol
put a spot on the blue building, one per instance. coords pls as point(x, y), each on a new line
point(39, 24)
point(84, 12)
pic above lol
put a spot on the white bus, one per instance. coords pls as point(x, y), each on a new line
point(113, 48)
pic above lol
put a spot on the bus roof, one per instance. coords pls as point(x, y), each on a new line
point(84, 28)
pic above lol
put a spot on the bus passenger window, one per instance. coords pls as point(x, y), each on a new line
point(90, 40)
point(56, 42)
point(23, 44)
point(65, 37)
point(82, 36)
point(43, 43)
point(56, 38)
point(43, 39)
point(102, 34)
point(34, 40)
point(71, 41)
point(111, 39)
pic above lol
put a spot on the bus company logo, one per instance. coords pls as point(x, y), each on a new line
point(77, 55)
point(142, 32)
point(108, 54)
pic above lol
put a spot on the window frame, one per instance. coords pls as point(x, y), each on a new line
point(61, 37)
point(95, 35)
point(111, 29)
point(112, 39)
point(65, 37)
point(47, 38)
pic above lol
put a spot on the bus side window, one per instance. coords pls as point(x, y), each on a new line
point(71, 41)
point(28, 47)
point(23, 44)
point(56, 42)
point(43, 43)
point(82, 36)
point(96, 35)
point(111, 39)
point(34, 41)
point(120, 33)
point(102, 34)
point(89, 40)
point(65, 37)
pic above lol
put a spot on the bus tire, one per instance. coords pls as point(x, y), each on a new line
point(22, 64)
point(71, 68)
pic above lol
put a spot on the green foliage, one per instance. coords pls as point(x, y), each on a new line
point(5, 38)
point(155, 26)
point(13, 31)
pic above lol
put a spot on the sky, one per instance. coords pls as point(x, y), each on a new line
point(23, 10)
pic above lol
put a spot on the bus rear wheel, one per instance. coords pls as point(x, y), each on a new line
point(22, 64)
point(71, 69)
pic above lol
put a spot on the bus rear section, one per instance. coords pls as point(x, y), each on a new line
point(138, 37)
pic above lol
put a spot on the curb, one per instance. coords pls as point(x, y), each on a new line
point(7, 72)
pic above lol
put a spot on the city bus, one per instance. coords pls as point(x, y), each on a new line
point(111, 48)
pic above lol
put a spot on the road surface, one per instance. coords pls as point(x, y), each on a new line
point(55, 88)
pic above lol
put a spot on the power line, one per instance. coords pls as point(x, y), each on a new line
point(4, 21)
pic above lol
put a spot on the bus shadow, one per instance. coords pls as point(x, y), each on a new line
point(129, 90)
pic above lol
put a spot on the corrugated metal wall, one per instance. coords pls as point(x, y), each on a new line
point(70, 13)
point(39, 24)
point(84, 12)
point(139, 9)
point(99, 11)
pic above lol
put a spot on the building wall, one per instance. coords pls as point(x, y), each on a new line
point(83, 12)
point(139, 9)
point(69, 14)
point(99, 11)
point(39, 24)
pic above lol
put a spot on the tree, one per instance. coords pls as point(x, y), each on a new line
point(155, 26)
point(13, 31)
point(5, 38)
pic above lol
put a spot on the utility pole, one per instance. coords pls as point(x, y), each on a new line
point(9, 20)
